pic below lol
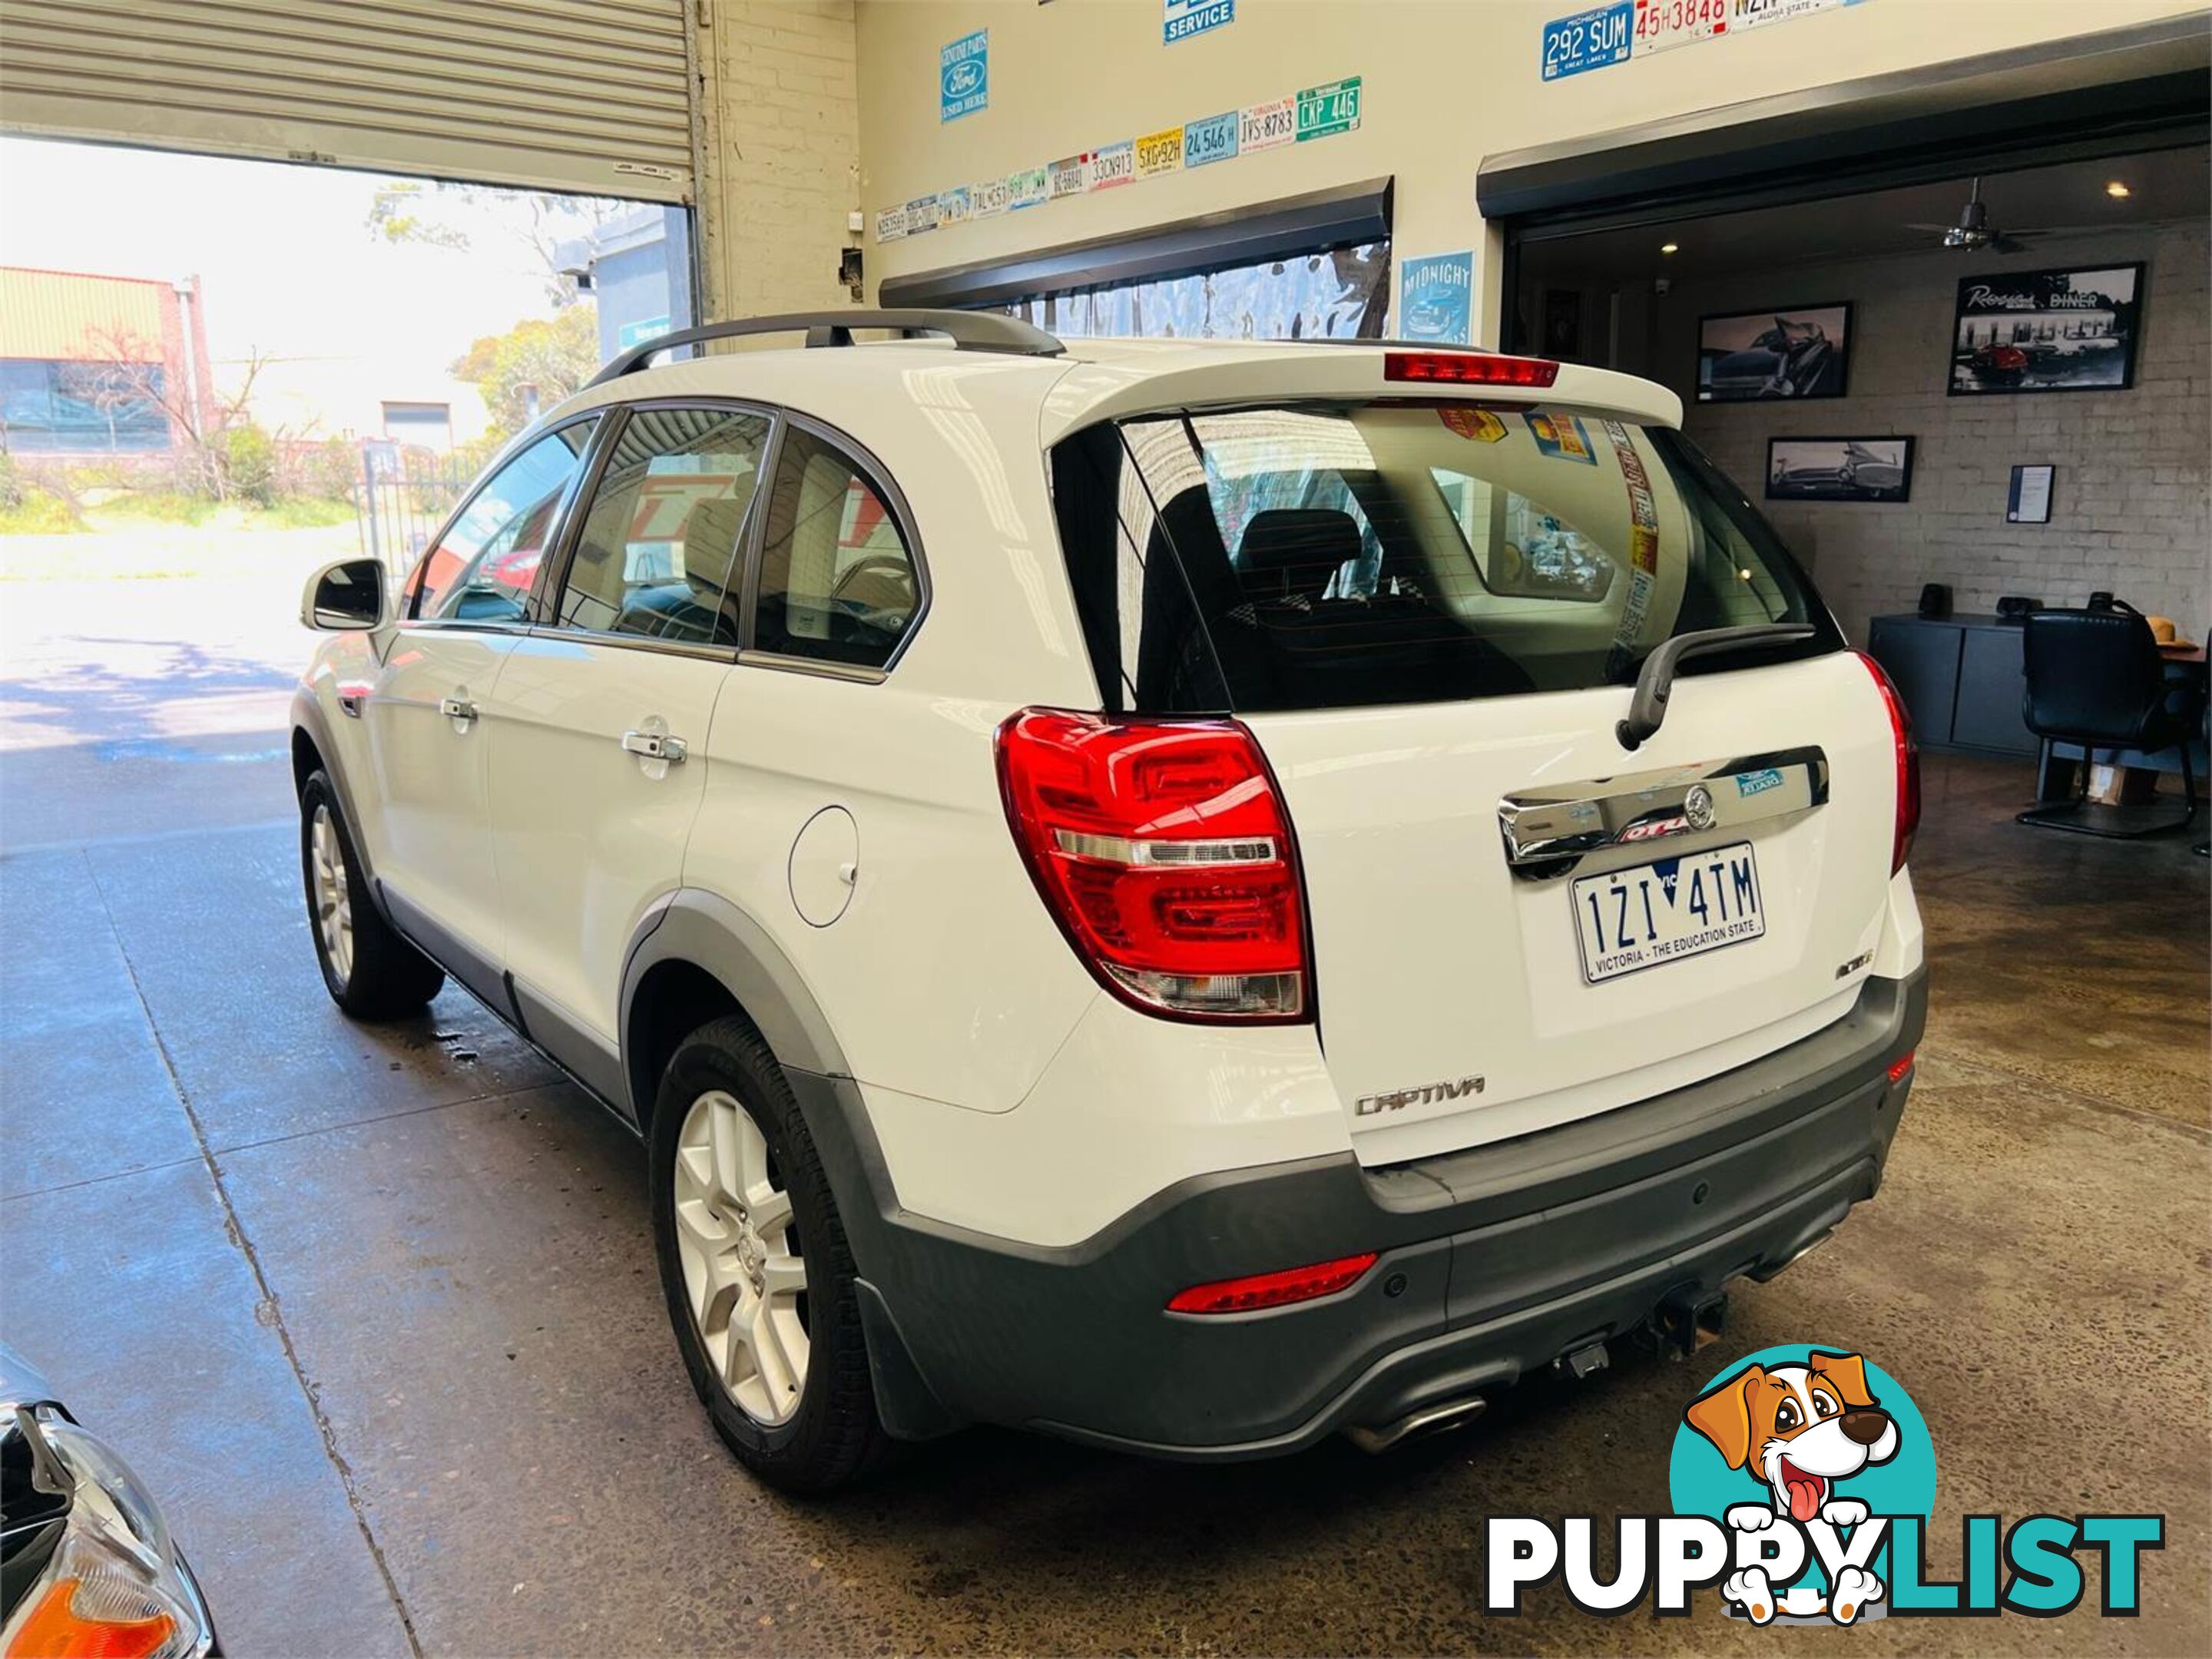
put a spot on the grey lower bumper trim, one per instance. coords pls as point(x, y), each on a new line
point(1493, 1262)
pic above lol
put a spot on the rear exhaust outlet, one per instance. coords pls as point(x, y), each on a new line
point(1430, 1420)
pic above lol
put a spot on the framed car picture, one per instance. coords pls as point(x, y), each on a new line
point(1839, 469)
point(2046, 330)
point(1793, 351)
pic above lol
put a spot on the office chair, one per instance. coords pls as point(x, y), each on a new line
point(2096, 678)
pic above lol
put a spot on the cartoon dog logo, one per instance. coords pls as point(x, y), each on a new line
point(1800, 1429)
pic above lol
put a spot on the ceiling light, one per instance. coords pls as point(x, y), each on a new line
point(1670, 247)
point(2117, 191)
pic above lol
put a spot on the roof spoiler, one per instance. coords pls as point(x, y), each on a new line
point(969, 331)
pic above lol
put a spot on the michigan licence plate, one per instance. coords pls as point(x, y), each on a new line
point(1667, 909)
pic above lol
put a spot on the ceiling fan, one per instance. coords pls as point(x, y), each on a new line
point(1974, 232)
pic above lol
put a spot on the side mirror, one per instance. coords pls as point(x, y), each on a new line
point(346, 595)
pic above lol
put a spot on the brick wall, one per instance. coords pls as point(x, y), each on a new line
point(2129, 511)
point(780, 114)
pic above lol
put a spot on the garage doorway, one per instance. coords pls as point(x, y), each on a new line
point(217, 374)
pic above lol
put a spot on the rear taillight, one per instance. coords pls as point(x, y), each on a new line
point(1274, 1290)
point(1908, 765)
point(1468, 369)
point(1163, 850)
point(1900, 1066)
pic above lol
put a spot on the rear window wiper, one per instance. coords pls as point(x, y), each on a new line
point(1647, 710)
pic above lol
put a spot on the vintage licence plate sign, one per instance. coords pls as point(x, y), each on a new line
point(1596, 38)
point(1667, 909)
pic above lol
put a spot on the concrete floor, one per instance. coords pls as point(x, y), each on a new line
point(374, 1310)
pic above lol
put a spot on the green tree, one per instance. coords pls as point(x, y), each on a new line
point(544, 358)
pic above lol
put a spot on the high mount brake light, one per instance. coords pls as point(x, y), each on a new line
point(1907, 754)
point(1468, 369)
point(1274, 1290)
point(1163, 850)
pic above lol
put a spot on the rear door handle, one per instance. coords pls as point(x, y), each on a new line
point(459, 710)
point(655, 745)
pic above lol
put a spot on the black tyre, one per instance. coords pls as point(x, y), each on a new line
point(371, 972)
point(754, 1264)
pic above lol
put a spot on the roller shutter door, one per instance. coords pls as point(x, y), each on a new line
point(590, 95)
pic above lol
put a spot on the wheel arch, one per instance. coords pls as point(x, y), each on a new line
point(306, 760)
point(696, 957)
point(312, 752)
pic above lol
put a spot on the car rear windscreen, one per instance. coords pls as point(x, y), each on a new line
point(1335, 554)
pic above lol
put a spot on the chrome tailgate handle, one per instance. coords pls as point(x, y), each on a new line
point(1542, 827)
point(655, 745)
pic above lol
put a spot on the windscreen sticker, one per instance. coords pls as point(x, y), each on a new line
point(1643, 544)
point(1481, 425)
point(1561, 437)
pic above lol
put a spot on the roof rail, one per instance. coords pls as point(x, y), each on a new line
point(970, 331)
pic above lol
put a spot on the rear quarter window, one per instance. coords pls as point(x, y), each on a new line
point(1331, 555)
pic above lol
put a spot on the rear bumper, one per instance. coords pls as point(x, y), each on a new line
point(1494, 1261)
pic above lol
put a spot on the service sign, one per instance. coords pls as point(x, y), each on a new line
point(1113, 166)
point(964, 77)
point(891, 224)
point(1328, 109)
point(987, 197)
point(1213, 139)
point(1597, 38)
point(1186, 18)
point(1159, 152)
point(1263, 127)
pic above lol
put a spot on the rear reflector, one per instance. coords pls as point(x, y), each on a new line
point(1468, 369)
point(1907, 754)
point(1900, 1067)
point(1163, 850)
point(1274, 1290)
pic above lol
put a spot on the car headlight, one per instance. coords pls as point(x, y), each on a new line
point(115, 1586)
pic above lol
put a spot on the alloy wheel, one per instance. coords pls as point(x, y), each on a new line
point(744, 1274)
point(333, 898)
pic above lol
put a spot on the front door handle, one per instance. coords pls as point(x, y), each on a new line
point(459, 710)
point(655, 745)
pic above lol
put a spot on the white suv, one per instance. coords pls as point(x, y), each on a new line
point(1167, 892)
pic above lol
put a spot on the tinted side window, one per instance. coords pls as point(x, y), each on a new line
point(837, 580)
point(661, 550)
point(482, 568)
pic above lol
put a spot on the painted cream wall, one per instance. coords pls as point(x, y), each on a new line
point(1444, 82)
